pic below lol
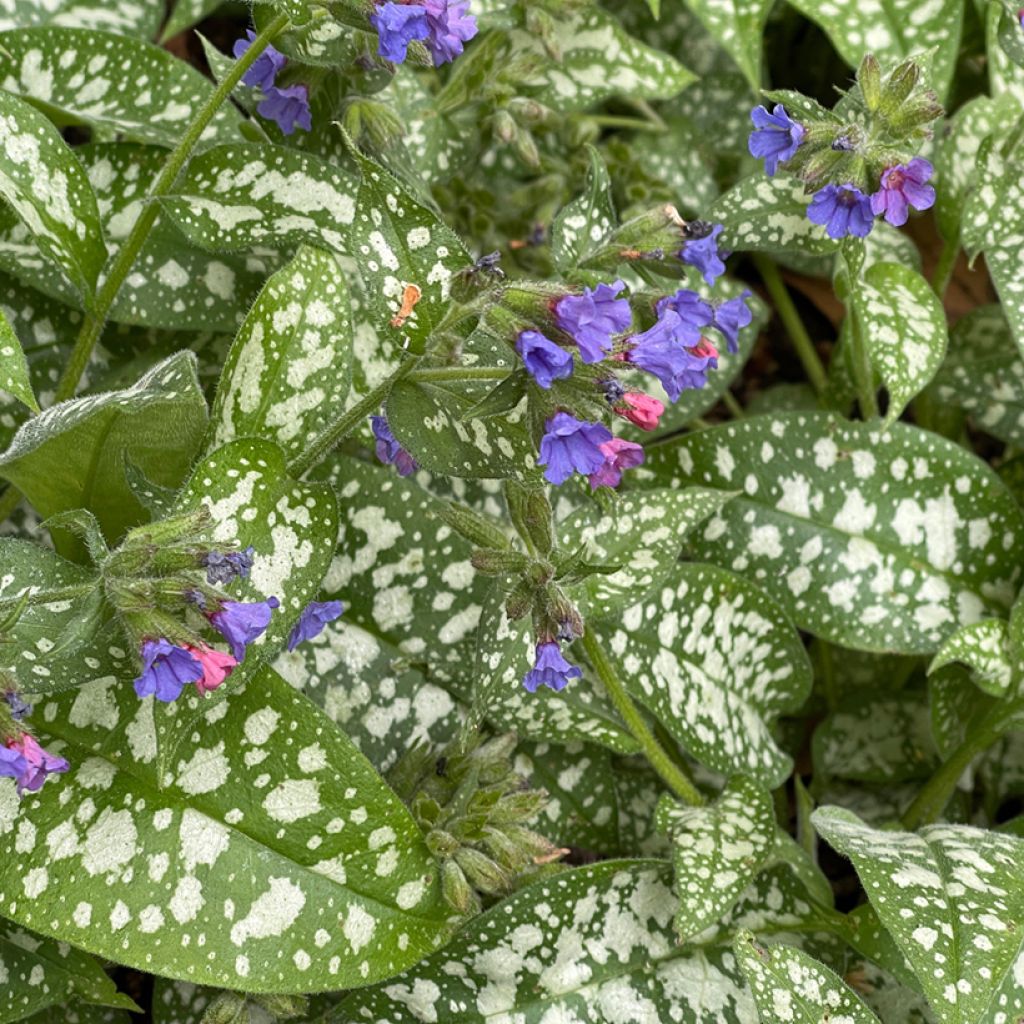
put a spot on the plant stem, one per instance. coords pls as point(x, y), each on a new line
point(432, 374)
point(790, 318)
point(932, 799)
point(658, 757)
point(730, 402)
point(862, 373)
point(68, 593)
point(944, 268)
point(635, 124)
point(92, 326)
point(325, 442)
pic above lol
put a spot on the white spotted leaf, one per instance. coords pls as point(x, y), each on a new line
point(48, 190)
point(248, 195)
point(80, 73)
point(875, 541)
point(738, 27)
point(14, 376)
point(74, 454)
point(269, 842)
point(1011, 41)
point(984, 648)
point(582, 225)
point(716, 660)
point(716, 850)
point(186, 13)
point(952, 897)
point(128, 17)
point(788, 984)
point(642, 533)
point(892, 30)
point(904, 329)
point(287, 373)
point(615, 958)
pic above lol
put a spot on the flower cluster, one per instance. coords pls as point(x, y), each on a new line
point(443, 26)
point(287, 105)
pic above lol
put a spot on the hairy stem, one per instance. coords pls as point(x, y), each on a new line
point(92, 325)
point(655, 753)
point(432, 374)
point(327, 440)
point(790, 318)
point(944, 268)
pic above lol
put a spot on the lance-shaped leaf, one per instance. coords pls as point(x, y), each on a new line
point(49, 191)
point(79, 74)
point(599, 59)
point(984, 647)
point(270, 836)
point(642, 533)
point(790, 985)
point(876, 541)
point(186, 13)
point(738, 28)
point(289, 368)
point(615, 958)
point(582, 225)
point(893, 32)
point(14, 378)
point(716, 660)
point(763, 214)
point(74, 454)
point(407, 257)
point(1010, 39)
point(39, 972)
point(129, 17)
point(80, 1013)
point(716, 850)
point(246, 195)
point(951, 896)
point(904, 328)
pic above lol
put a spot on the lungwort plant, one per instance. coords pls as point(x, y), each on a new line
point(511, 512)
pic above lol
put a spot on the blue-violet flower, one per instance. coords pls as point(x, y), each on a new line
point(311, 622)
point(550, 668)
point(389, 451)
point(545, 361)
point(20, 708)
point(224, 566)
point(703, 254)
point(289, 107)
point(776, 137)
point(264, 69)
point(242, 622)
point(166, 670)
point(571, 445)
point(30, 764)
point(730, 317)
point(593, 317)
point(450, 26)
point(693, 312)
point(397, 26)
point(903, 187)
point(843, 209)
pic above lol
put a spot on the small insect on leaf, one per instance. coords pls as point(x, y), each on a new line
point(410, 297)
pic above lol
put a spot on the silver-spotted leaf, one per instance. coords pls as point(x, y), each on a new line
point(716, 661)
point(884, 541)
point(582, 225)
point(984, 647)
point(128, 17)
point(14, 376)
point(738, 27)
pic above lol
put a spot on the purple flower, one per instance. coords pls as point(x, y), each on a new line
point(264, 69)
point(242, 622)
point(703, 254)
point(311, 622)
point(730, 318)
point(593, 317)
point(166, 669)
point(450, 27)
point(843, 209)
point(550, 668)
point(20, 709)
point(223, 566)
point(678, 366)
point(289, 107)
point(619, 455)
point(30, 764)
point(389, 451)
point(571, 445)
point(776, 137)
point(693, 312)
point(545, 361)
point(397, 26)
point(903, 186)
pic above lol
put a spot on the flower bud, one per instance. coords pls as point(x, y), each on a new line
point(483, 873)
point(505, 128)
point(898, 87)
point(441, 843)
point(539, 23)
point(869, 77)
point(531, 513)
point(283, 1007)
point(498, 563)
point(456, 889)
point(526, 147)
point(227, 1008)
point(520, 600)
point(475, 527)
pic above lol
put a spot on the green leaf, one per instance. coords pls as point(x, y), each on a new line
point(73, 455)
point(431, 422)
point(790, 985)
point(78, 75)
point(616, 957)
point(49, 191)
point(1010, 37)
point(716, 660)
point(984, 647)
point(250, 194)
point(129, 17)
point(904, 328)
point(187, 13)
point(288, 371)
point(739, 29)
point(900, 29)
point(716, 850)
point(642, 533)
point(14, 378)
point(582, 225)
point(599, 59)
point(763, 214)
point(952, 897)
point(398, 244)
point(271, 836)
point(875, 541)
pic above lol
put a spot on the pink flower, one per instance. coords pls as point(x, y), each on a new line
point(29, 764)
point(217, 666)
point(642, 410)
point(619, 455)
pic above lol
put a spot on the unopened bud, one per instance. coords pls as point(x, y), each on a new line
point(473, 526)
point(456, 889)
point(283, 1007)
point(531, 513)
point(899, 86)
point(505, 128)
point(488, 562)
point(520, 600)
point(540, 23)
point(483, 873)
point(869, 77)
point(527, 149)
point(441, 843)
point(227, 1008)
